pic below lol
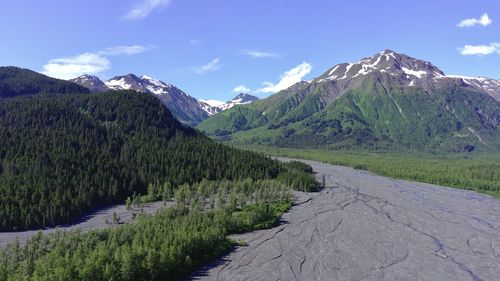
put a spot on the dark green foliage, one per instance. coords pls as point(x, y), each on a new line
point(167, 246)
point(164, 247)
point(298, 176)
point(61, 156)
point(298, 180)
point(257, 216)
point(236, 119)
point(299, 166)
point(16, 81)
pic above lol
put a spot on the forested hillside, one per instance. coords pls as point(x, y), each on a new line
point(63, 155)
point(15, 81)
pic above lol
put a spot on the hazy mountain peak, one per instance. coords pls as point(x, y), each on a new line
point(214, 106)
point(91, 82)
point(244, 98)
point(241, 98)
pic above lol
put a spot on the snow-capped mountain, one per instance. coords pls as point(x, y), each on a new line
point(388, 99)
point(216, 106)
point(184, 107)
point(93, 83)
point(214, 103)
point(407, 71)
point(211, 106)
point(241, 98)
point(408, 68)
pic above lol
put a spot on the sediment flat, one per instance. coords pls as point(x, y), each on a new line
point(102, 218)
point(368, 227)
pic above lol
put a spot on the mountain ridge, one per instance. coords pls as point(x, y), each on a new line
point(389, 99)
point(186, 108)
point(16, 81)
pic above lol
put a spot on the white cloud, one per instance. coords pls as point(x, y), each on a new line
point(124, 50)
point(241, 89)
point(71, 67)
point(88, 62)
point(209, 67)
point(144, 9)
point(194, 42)
point(480, 50)
point(287, 79)
point(259, 54)
point(484, 20)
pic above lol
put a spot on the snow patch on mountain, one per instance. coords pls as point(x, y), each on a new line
point(488, 85)
point(118, 84)
point(91, 82)
point(418, 73)
point(239, 100)
point(405, 70)
point(214, 103)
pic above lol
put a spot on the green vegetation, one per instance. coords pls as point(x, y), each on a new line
point(376, 113)
point(64, 155)
point(258, 216)
point(16, 81)
point(166, 246)
point(479, 172)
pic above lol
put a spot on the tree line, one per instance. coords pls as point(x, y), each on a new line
point(166, 246)
point(64, 155)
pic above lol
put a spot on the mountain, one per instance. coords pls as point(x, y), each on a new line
point(240, 99)
point(91, 82)
point(73, 153)
point(214, 106)
point(15, 81)
point(184, 107)
point(388, 100)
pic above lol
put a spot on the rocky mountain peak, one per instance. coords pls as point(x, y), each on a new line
point(387, 61)
point(244, 98)
point(126, 82)
point(241, 98)
point(91, 82)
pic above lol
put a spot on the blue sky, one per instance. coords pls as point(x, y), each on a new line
point(210, 47)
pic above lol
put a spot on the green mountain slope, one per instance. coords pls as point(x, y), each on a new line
point(389, 100)
point(63, 155)
point(16, 81)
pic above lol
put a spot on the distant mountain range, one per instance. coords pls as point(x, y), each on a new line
point(15, 81)
point(386, 100)
point(184, 107)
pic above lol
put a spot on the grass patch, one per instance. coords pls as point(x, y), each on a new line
point(479, 172)
point(258, 216)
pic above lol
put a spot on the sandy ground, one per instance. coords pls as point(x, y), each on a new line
point(95, 220)
point(368, 227)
